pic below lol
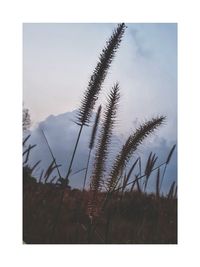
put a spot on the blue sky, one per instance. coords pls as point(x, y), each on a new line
point(59, 59)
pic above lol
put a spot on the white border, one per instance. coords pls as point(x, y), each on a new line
point(13, 14)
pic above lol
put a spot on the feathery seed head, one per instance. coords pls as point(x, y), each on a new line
point(129, 148)
point(99, 74)
point(105, 137)
point(94, 130)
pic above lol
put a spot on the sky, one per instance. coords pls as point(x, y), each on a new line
point(58, 60)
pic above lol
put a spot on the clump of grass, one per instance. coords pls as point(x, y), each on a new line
point(50, 170)
point(139, 176)
point(91, 94)
point(130, 146)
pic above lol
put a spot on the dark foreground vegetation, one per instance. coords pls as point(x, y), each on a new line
point(134, 218)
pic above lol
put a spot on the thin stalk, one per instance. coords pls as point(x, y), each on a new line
point(175, 193)
point(73, 155)
point(41, 174)
point(140, 177)
point(27, 153)
point(157, 184)
point(133, 184)
point(53, 179)
point(88, 161)
point(138, 186)
point(51, 152)
point(163, 176)
point(140, 169)
point(78, 171)
point(167, 162)
point(63, 189)
point(36, 164)
point(25, 139)
point(171, 191)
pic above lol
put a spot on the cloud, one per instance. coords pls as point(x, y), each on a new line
point(140, 48)
point(61, 133)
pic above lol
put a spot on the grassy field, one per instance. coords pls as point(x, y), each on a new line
point(131, 218)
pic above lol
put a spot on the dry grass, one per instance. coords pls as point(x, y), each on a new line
point(137, 218)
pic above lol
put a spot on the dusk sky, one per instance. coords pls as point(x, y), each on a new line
point(59, 59)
